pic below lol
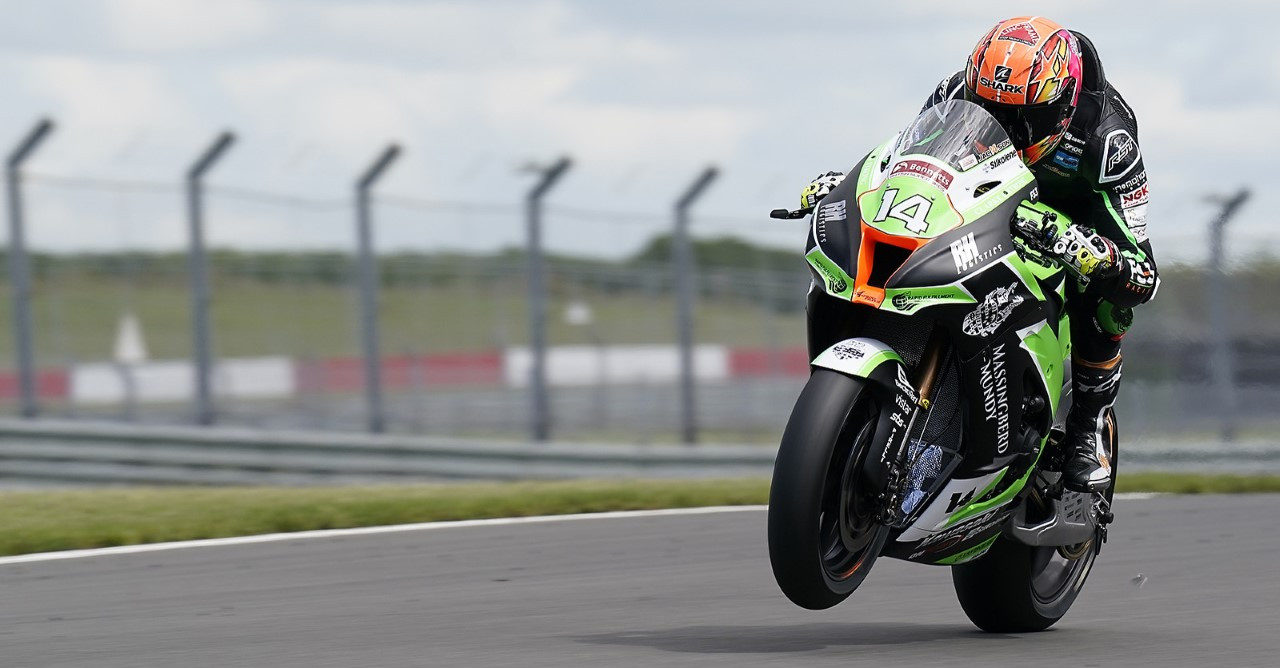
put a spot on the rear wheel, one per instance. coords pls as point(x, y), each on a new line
point(1017, 587)
point(822, 535)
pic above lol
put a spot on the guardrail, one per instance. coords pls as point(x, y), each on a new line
point(96, 453)
point(64, 452)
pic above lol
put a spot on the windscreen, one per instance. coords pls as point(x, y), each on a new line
point(956, 131)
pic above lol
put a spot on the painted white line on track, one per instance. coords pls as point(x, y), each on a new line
point(1136, 496)
point(398, 528)
point(362, 531)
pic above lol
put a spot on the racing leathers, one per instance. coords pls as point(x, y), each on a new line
point(1097, 178)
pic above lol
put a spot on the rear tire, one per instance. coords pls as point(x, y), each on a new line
point(822, 539)
point(1017, 588)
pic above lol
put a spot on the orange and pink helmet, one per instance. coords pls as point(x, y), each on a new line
point(1027, 71)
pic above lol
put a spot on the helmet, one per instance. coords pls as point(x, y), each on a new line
point(1027, 71)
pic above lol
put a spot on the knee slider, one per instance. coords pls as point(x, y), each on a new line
point(1113, 320)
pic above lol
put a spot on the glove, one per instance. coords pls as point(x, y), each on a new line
point(819, 188)
point(1087, 254)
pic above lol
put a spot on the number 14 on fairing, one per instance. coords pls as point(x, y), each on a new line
point(912, 211)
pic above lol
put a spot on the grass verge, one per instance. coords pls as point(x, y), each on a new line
point(41, 521)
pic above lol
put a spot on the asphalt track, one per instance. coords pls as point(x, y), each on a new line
point(650, 591)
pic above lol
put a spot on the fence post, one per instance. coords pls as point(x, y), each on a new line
point(198, 270)
point(1223, 356)
point(682, 254)
point(20, 270)
point(368, 281)
point(540, 425)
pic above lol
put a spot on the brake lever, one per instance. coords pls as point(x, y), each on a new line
point(783, 214)
point(1038, 235)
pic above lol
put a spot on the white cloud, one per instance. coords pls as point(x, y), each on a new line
point(103, 109)
point(641, 96)
point(168, 25)
point(486, 33)
point(1166, 116)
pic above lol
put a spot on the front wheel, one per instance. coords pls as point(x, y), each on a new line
point(1016, 587)
point(822, 534)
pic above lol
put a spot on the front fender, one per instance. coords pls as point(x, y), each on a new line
point(863, 358)
point(880, 365)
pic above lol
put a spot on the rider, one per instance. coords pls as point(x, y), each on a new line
point(1045, 85)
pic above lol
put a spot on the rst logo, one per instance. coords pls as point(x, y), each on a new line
point(965, 253)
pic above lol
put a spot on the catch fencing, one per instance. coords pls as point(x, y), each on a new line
point(456, 347)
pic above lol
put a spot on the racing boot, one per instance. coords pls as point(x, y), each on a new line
point(1090, 425)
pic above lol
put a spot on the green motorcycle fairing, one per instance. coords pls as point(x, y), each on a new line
point(949, 186)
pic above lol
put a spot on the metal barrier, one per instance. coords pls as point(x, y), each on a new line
point(56, 452)
point(51, 452)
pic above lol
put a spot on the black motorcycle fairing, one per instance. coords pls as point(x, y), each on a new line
point(963, 251)
point(836, 227)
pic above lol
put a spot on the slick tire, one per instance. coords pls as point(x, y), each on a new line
point(1017, 588)
point(822, 541)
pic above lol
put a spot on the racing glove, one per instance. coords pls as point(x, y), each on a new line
point(819, 188)
point(1084, 252)
point(1087, 254)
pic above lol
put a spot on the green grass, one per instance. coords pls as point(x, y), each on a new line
point(1196, 483)
point(77, 318)
point(40, 521)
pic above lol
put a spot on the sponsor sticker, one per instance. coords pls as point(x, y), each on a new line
point(925, 171)
point(1066, 161)
point(995, 149)
point(1134, 198)
point(908, 302)
point(1000, 81)
point(1119, 155)
point(1023, 33)
point(1136, 181)
point(950, 538)
point(1136, 218)
point(995, 308)
point(999, 161)
point(994, 380)
point(849, 351)
point(1072, 144)
point(833, 212)
point(965, 253)
point(905, 386)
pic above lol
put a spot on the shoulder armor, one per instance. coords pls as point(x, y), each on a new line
point(1112, 152)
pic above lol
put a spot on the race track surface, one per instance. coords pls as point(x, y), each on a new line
point(679, 591)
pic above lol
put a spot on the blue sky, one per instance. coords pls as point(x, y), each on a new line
point(643, 95)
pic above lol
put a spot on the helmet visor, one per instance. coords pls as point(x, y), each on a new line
point(1027, 124)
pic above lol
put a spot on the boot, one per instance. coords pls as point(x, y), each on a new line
point(1094, 386)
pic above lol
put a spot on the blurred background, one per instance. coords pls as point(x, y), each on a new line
point(455, 114)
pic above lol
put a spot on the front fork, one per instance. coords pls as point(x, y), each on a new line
point(886, 467)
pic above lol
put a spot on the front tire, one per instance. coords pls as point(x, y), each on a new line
point(1018, 588)
point(822, 536)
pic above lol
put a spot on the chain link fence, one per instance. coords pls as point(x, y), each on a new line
point(114, 340)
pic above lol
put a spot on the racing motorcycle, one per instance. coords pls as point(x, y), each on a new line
point(931, 426)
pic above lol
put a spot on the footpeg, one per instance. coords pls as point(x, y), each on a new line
point(1071, 522)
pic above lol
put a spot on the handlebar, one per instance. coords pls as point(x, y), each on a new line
point(783, 214)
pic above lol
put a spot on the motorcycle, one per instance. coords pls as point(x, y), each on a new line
point(930, 428)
